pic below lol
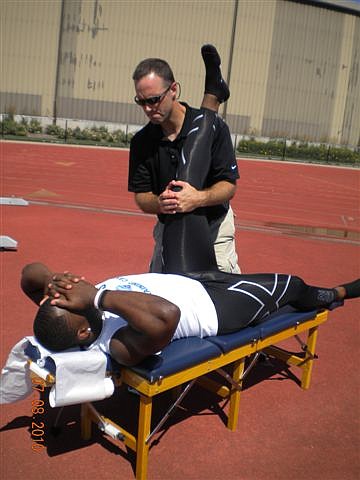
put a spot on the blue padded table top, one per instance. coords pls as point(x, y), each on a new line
point(34, 354)
point(285, 318)
point(188, 352)
point(177, 356)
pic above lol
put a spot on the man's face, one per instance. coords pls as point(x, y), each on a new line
point(154, 86)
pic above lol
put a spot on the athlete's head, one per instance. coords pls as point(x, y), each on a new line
point(57, 329)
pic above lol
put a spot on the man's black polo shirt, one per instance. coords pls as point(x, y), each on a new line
point(153, 161)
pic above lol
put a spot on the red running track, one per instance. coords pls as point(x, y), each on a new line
point(269, 192)
point(283, 432)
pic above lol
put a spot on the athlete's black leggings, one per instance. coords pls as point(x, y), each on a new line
point(243, 299)
point(238, 299)
point(187, 245)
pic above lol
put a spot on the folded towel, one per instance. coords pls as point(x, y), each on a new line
point(80, 375)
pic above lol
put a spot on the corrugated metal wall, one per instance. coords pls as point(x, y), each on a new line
point(29, 40)
point(294, 67)
point(103, 41)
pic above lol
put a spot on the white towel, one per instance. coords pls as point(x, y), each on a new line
point(15, 381)
point(80, 375)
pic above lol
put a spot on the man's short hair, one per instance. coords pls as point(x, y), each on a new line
point(52, 330)
point(154, 65)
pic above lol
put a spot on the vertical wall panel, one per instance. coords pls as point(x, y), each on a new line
point(29, 33)
point(350, 131)
point(252, 48)
point(303, 71)
point(342, 90)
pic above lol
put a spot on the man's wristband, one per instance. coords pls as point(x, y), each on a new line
point(98, 297)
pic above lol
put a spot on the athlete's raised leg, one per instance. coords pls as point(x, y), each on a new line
point(196, 152)
point(186, 240)
point(216, 89)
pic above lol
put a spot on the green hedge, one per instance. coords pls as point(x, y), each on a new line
point(94, 135)
point(302, 151)
point(101, 136)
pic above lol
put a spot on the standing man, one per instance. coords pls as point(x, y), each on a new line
point(156, 155)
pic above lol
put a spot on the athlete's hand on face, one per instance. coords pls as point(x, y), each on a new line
point(66, 279)
point(76, 296)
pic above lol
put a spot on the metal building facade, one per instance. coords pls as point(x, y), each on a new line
point(29, 39)
point(293, 66)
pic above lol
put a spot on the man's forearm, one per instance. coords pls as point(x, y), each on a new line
point(217, 194)
point(148, 202)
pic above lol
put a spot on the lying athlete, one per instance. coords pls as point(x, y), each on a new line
point(134, 316)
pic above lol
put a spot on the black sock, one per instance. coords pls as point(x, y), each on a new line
point(214, 83)
point(315, 297)
point(352, 289)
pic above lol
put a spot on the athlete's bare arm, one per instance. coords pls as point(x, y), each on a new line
point(152, 320)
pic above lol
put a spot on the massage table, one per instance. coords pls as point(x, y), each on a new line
point(188, 361)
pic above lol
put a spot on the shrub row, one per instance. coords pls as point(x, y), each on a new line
point(10, 127)
point(272, 149)
point(304, 151)
point(95, 134)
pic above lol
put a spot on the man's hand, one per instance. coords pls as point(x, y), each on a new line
point(168, 201)
point(189, 198)
point(72, 293)
point(186, 197)
point(182, 197)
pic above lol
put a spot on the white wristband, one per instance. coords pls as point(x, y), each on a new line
point(97, 298)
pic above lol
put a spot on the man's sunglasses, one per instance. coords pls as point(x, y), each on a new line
point(151, 100)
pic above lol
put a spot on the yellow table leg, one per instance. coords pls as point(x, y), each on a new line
point(85, 422)
point(142, 449)
point(238, 370)
point(309, 358)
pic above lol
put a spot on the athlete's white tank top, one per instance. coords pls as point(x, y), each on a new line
point(198, 315)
